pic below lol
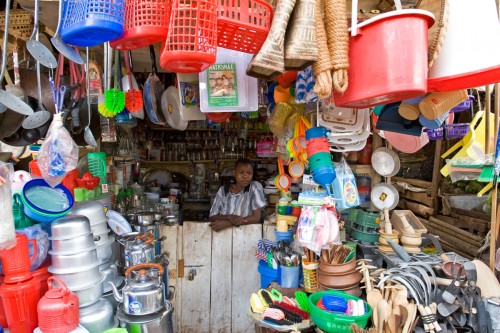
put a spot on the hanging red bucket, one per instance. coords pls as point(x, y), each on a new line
point(388, 58)
point(191, 45)
point(146, 23)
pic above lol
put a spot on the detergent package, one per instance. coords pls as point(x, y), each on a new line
point(344, 187)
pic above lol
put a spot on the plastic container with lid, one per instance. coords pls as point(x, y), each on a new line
point(437, 103)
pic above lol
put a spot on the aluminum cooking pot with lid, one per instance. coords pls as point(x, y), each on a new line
point(140, 250)
point(143, 293)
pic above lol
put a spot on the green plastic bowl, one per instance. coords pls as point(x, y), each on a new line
point(364, 236)
point(368, 219)
point(332, 322)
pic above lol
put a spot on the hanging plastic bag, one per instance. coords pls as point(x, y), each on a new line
point(344, 187)
point(7, 230)
point(58, 153)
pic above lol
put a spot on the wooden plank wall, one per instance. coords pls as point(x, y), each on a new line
point(217, 298)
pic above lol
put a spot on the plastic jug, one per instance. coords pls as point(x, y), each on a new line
point(16, 261)
point(58, 310)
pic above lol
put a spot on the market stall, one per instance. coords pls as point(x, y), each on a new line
point(270, 166)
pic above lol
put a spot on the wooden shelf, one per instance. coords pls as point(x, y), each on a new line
point(201, 161)
point(361, 169)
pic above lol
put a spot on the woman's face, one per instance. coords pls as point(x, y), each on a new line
point(243, 175)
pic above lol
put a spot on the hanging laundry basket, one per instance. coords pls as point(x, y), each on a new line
point(191, 45)
point(243, 25)
point(92, 22)
point(146, 23)
point(384, 70)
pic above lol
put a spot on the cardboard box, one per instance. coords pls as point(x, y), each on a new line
point(410, 217)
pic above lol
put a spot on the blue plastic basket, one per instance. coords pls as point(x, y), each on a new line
point(92, 22)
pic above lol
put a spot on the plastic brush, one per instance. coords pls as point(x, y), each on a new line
point(289, 315)
point(301, 297)
point(115, 98)
point(265, 298)
point(293, 309)
point(282, 322)
point(256, 304)
point(133, 97)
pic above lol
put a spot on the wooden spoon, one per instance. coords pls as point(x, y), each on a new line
point(381, 307)
point(410, 309)
point(373, 296)
point(393, 322)
point(404, 317)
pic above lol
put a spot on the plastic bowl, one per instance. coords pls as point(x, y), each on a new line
point(38, 213)
point(336, 323)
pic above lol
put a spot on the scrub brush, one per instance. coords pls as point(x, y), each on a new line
point(265, 298)
point(133, 97)
point(289, 315)
point(256, 304)
point(303, 301)
point(115, 98)
point(282, 322)
point(293, 309)
point(274, 313)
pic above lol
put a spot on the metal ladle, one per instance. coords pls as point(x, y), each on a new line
point(39, 51)
point(41, 116)
point(87, 134)
point(8, 100)
point(60, 45)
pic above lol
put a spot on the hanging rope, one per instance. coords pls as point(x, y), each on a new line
point(322, 68)
point(338, 42)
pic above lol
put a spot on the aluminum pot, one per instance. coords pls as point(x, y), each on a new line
point(75, 245)
point(93, 210)
point(102, 238)
point(98, 317)
point(90, 295)
point(78, 279)
point(105, 251)
point(161, 322)
point(74, 262)
point(70, 226)
point(100, 228)
point(110, 273)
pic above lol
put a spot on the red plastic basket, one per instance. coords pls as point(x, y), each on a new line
point(191, 44)
point(146, 23)
point(243, 25)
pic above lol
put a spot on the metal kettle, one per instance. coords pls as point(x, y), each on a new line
point(139, 250)
point(144, 293)
point(58, 310)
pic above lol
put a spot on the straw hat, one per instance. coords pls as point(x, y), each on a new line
point(436, 33)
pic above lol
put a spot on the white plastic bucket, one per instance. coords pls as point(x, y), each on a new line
point(470, 54)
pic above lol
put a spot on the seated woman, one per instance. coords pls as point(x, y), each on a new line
point(239, 203)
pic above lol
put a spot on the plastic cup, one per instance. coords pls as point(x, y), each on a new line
point(290, 276)
point(437, 103)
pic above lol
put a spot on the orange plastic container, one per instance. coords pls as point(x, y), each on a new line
point(383, 70)
point(243, 25)
point(146, 23)
point(20, 305)
point(191, 45)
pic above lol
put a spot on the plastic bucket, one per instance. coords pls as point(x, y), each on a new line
point(267, 274)
point(319, 160)
point(434, 123)
point(378, 73)
point(473, 32)
point(284, 236)
point(316, 146)
point(289, 276)
point(39, 214)
point(20, 302)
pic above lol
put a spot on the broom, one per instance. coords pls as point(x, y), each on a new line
point(114, 99)
point(133, 97)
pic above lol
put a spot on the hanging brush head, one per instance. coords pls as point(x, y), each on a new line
point(114, 99)
point(133, 97)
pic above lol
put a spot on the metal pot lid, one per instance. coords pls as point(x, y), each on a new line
point(143, 319)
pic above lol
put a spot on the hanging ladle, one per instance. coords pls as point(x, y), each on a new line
point(87, 134)
point(60, 45)
point(8, 100)
point(41, 116)
point(39, 51)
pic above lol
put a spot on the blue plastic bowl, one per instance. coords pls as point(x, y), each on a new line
point(39, 214)
point(317, 132)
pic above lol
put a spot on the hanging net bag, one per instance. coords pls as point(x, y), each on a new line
point(92, 22)
point(191, 44)
point(146, 23)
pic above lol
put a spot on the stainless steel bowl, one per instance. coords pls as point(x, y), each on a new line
point(93, 210)
point(78, 279)
point(84, 243)
point(69, 227)
point(105, 251)
point(74, 262)
point(90, 294)
point(98, 317)
point(99, 228)
point(146, 218)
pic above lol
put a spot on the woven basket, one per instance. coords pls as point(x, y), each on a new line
point(436, 33)
point(20, 22)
